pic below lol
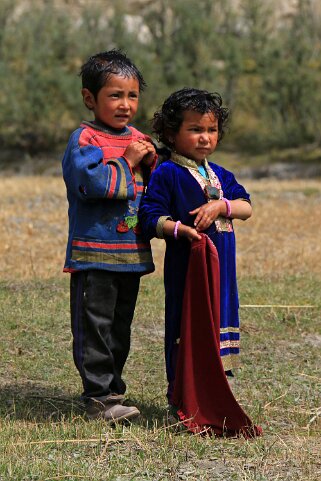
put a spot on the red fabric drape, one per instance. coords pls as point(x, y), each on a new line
point(202, 393)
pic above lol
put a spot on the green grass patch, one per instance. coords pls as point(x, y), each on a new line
point(45, 437)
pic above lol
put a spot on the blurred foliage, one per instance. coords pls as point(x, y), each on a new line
point(266, 66)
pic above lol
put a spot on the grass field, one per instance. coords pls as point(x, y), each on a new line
point(43, 435)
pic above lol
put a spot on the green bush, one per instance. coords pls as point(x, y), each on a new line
point(267, 72)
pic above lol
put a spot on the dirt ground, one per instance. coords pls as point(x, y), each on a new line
point(282, 237)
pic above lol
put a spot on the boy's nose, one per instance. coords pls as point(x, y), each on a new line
point(125, 103)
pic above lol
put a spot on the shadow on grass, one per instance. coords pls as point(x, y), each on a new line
point(32, 402)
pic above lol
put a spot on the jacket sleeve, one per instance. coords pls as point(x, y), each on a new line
point(87, 176)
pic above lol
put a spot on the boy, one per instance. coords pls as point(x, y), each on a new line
point(105, 168)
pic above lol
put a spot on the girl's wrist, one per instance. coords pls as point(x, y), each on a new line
point(176, 226)
point(227, 207)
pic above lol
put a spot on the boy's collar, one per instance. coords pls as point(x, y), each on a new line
point(105, 128)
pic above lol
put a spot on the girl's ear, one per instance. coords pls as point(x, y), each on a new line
point(88, 99)
point(170, 137)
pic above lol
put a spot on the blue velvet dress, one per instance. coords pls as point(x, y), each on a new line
point(176, 187)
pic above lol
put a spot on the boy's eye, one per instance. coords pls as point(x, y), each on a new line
point(133, 96)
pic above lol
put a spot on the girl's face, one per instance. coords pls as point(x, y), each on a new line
point(198, 135)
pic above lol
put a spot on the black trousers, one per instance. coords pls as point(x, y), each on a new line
point(102, 306)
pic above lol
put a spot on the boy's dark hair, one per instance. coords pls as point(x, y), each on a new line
point(98, 68)
point(169, 118)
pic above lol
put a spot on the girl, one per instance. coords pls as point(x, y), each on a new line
point(187, 196)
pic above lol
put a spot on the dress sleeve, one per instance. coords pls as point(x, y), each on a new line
point(87, 176)
point(155, 206)
point(231, 188)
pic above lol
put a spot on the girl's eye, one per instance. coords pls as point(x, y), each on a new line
point(133, 96)
point(114, 95)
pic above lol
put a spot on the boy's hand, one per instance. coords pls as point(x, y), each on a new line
point(206, 214)
point(148, 159)
point(137, 150)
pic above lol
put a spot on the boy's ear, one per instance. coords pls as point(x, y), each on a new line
point(88, 98)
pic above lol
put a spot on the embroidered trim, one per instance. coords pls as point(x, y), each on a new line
point(229, 343)
point(222, 224)
point(192, 166)
point(160, 225)
point(183, 161)
point(225, 330)
point(224, 344)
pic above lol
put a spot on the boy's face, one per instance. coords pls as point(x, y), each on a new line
point(116, 102)
point(198, 135)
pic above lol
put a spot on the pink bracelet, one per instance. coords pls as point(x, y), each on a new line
point(176, 229)
point(228, 207)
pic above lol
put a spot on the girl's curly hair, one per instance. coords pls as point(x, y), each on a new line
point(169, 118)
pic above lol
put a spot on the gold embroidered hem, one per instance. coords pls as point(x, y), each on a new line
point(224, 330)
point(160, 226)
point(230, 344)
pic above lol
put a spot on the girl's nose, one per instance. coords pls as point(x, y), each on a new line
point(204, 138)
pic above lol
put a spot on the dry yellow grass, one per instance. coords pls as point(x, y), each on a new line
point(282, 237)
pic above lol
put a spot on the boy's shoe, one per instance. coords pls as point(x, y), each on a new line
point(115, 398)
point(111, 410)
point(118, 412)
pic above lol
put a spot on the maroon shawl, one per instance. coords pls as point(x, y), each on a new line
point(202, 393)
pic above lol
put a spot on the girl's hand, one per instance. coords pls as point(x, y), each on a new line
point(188, 232)
point(182, 231)
point(206, 214)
